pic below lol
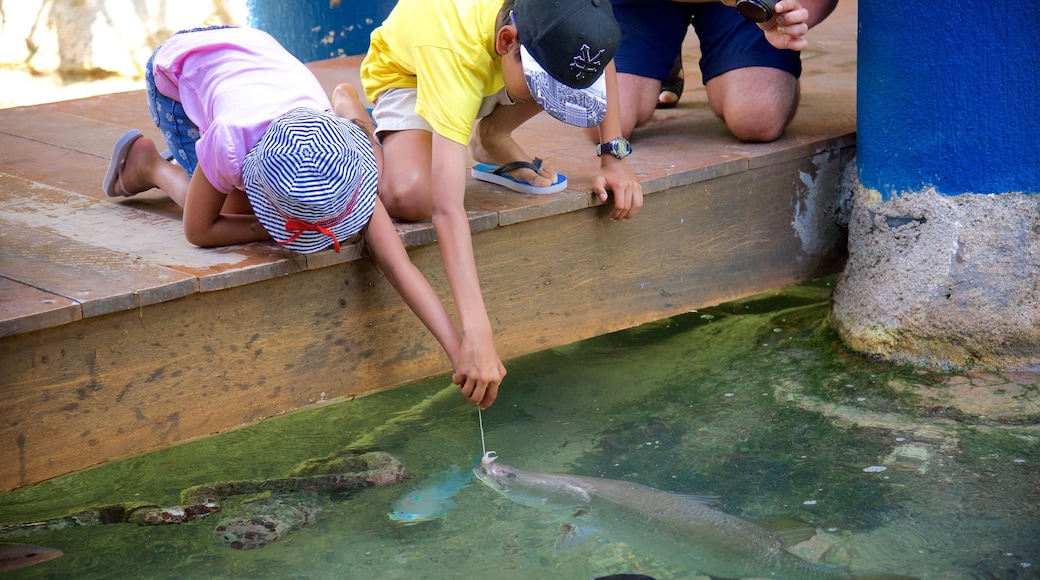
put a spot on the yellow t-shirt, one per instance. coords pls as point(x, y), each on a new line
point(445, 49)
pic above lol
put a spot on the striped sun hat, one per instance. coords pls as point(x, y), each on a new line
point(311, 180)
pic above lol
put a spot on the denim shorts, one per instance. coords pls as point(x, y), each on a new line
point(179, 132)
point(652, 33)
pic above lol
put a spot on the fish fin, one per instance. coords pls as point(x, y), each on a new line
point(572, 536)
point(788, 531)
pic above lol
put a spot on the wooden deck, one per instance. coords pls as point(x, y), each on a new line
point(118, 337)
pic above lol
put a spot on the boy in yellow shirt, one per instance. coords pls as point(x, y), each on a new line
point(433, 70)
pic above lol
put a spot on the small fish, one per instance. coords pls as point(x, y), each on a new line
point(674, 527)
point(15, 556)
point(431, 499)
point(261, 522)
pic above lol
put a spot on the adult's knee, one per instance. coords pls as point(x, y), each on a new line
point(756, 103)
point(757, 128)
point(759, 121)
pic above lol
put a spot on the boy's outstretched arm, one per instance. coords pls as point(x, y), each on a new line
point(392, 259)
point(479, 370)
point(614, 173)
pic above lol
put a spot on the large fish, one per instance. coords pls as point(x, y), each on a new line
point(431, 499)
point(15, 556)
point(677, 528)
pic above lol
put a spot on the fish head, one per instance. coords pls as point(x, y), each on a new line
point(531, 488)
point(15, 556)
point(495, 474)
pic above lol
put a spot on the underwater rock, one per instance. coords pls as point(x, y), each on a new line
point(293, 502)
point(124, 513)
point(375, 468)
point(268, 520)
point(368, 469)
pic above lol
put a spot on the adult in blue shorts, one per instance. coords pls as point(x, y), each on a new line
point(749, 70)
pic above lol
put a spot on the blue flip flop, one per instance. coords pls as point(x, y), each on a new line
point(499, 175)
point(120, 151)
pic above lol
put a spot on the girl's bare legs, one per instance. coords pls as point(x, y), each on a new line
point(146, 169)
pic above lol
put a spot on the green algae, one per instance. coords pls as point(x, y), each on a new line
point(753, 401)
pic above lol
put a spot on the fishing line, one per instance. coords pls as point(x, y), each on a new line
point(480, 418)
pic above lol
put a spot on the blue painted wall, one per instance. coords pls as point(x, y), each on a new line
point(319, 29)
point(948, 95)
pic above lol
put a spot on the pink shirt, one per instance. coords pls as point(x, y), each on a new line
point(233, 82)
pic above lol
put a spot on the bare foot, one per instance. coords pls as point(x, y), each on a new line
point(347, 104)
point(140, 165)
point(672, 87)
point(667, 99)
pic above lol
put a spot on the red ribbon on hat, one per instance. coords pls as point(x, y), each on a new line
point(297, 226)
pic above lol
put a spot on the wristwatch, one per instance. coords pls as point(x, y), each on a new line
point(618, 147)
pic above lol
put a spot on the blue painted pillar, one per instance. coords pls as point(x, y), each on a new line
point(944, 231)
point(949, 96)
point(319, 29)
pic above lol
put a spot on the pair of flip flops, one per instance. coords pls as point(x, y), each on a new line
point(499, 175)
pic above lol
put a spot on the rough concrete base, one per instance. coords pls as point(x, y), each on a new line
point(940, 281)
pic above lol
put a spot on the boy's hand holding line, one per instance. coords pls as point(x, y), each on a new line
point(478, 368)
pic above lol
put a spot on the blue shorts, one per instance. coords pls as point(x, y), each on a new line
point(652, 33)
point(179, 132)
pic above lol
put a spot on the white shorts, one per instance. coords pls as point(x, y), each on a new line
point(395, 111)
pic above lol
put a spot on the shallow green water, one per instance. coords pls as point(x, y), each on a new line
point(753, 401)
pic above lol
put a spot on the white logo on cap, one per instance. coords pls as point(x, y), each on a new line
point(586, 62)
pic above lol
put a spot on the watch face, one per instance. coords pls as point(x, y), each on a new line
point(618, 147)
point(622, 147)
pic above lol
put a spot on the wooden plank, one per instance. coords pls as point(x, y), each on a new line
point(154, 239)
point(214, 361)
point(24, 309)
point(70, 132)
point(101, 281)
point(59, 168)
point(125, 109)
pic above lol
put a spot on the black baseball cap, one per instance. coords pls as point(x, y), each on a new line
point(565, 46)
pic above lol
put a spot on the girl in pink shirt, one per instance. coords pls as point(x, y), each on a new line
point(260, 153)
